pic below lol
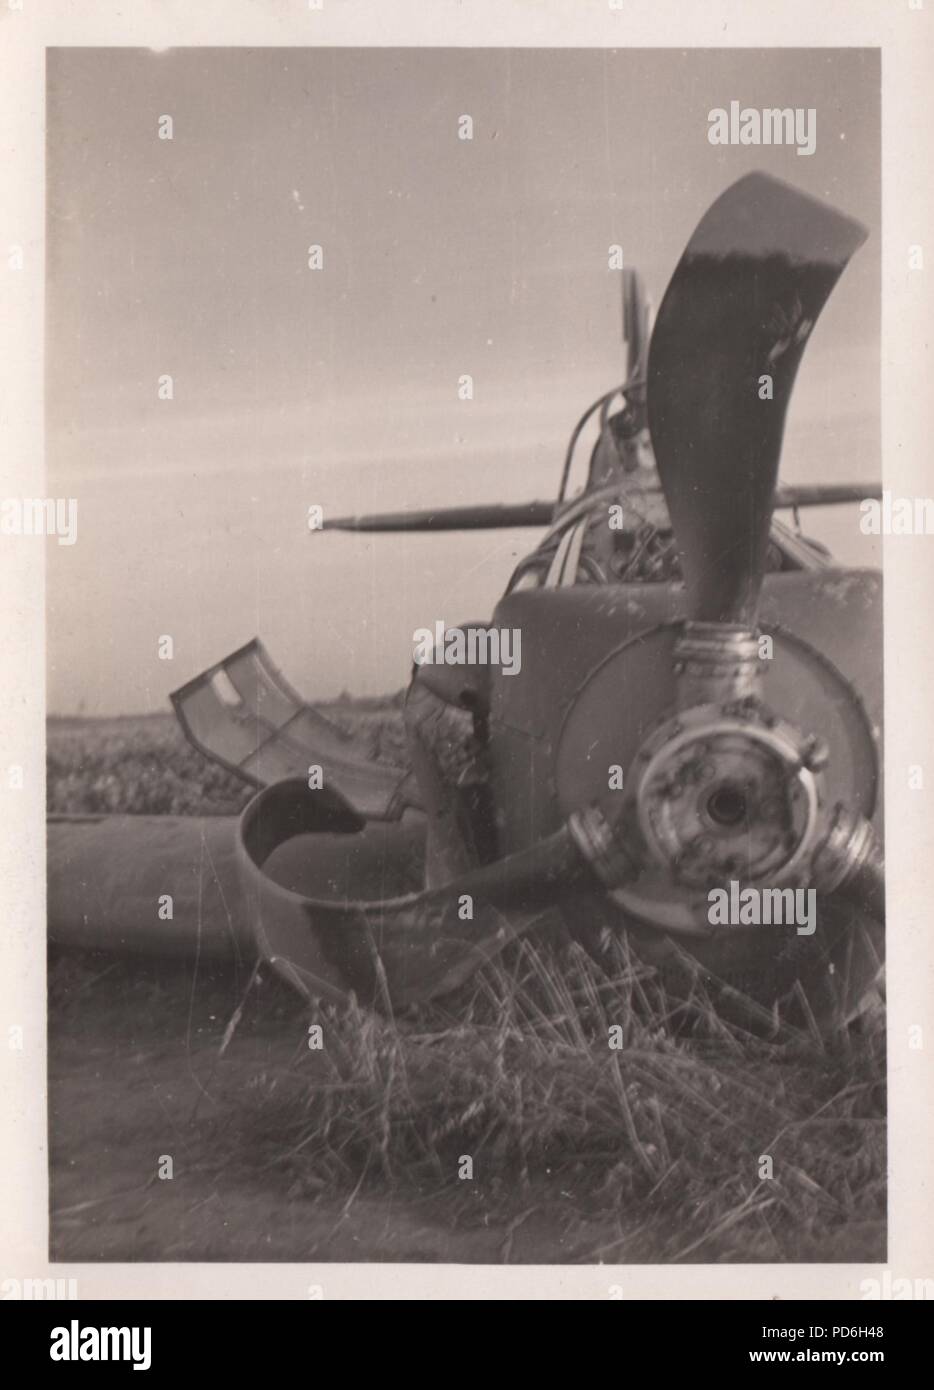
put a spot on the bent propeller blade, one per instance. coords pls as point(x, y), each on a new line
point(740, 307)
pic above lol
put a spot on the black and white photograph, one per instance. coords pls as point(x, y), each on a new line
point(465, 663)
point(465, 841)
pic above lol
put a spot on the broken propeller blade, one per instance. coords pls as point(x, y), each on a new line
point(328, 941)
point(722, 363)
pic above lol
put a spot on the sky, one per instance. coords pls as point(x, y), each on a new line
point(339, 387)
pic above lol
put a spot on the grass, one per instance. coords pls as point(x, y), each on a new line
point(134, 766)
point(655, 1151)
point(672, 1129)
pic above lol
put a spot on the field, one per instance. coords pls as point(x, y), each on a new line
point(652, 1153)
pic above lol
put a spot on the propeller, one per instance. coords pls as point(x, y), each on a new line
point(728, 339)
point(727, 343)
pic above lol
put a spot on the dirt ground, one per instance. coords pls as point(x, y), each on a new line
point(135, 1075)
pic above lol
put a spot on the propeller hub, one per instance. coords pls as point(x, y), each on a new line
point(723, 791)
